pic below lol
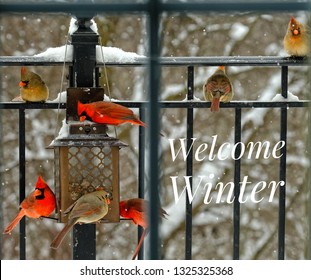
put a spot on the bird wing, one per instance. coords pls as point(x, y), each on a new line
point(138, 204)
point(29, 201)
point(115, 111)
point(219, 83)
point(141, 205)
point(85, 210)
point(70, 208)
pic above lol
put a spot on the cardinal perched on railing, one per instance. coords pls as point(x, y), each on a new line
point(89, 208)
point(137, 209)
point(218, 88)
point(297, 39)
point(39, 203)
point(33, 88)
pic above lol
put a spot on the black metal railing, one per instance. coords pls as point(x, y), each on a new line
point(188, 105)
point(154, 63)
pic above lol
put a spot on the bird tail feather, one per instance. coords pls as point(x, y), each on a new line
point(60, 237)
point(15, 221)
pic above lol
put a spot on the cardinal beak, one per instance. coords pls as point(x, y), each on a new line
point(37, 192)
point(22, 84)
point(109, 198)
point(82, 118)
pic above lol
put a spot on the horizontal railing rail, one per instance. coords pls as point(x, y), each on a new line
point(167, 104)
point(83, 8)
point(168, 61)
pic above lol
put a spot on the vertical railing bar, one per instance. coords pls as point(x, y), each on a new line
point(284, 81)
point(309, 178)
point(141, 172)
point(22, 180)
point(237, 180)
point(189, 167)
point(154, 127)
point(309, 185)
point(282, 189)
point(1, 174)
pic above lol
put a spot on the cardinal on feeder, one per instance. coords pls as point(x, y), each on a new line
point(39, 203)
point(136, 209)
point(89, 208)
point(109, 113)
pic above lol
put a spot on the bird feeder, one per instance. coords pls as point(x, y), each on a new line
point(85, 158)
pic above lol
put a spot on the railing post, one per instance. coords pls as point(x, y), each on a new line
point(141, 174)
point(188, 237)
point(84, 42)
point(154, 127)
point(282, 190)
point(237, 180)
point(309, 187)
point(84, 74)
point(22, 181)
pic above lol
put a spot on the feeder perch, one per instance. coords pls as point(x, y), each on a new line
point(85, 159)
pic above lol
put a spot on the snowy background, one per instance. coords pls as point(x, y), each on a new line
point(246, 34)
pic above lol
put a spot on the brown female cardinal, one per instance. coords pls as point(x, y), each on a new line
point(89, 208)
point(297, 40)
point(33, 89)
point(137, 209)
point(39, 203)
point(108, 113)
point(218, 88)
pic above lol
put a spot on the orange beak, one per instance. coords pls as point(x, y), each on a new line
point(82, 118)
point(37, 192)
point(22, 84)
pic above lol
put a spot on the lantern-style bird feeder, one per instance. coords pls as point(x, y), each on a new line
point(85, 157)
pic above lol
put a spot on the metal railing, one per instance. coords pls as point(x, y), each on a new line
point(189, 106)
point(154, 63)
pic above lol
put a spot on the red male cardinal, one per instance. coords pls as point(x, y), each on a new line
point(296, 40)
point(89, 208)
point(39, 203)
point(108, 113)
point(33, 89)
point(136, 209)
point(218, 88)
